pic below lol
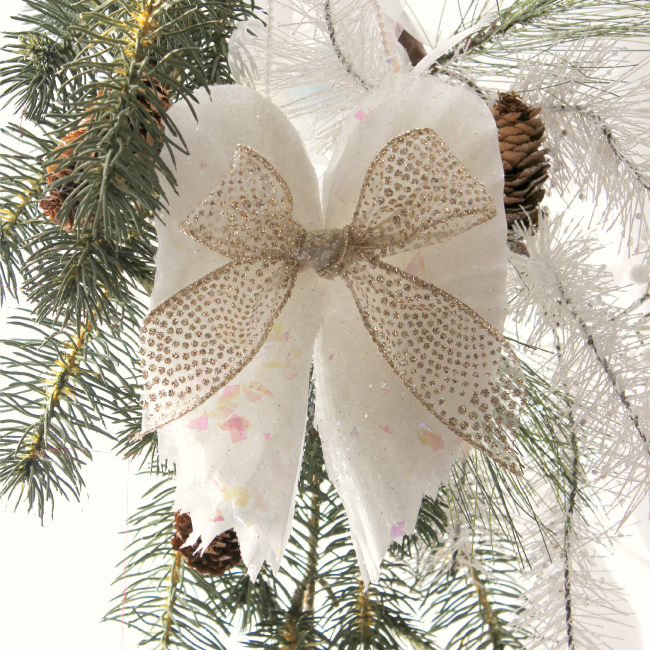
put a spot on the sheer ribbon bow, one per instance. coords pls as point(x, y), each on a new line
point(415, 193)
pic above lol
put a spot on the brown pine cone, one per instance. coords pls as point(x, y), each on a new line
point(51, 204)
point(154, 114)
point(525, 165)
point(222, 554)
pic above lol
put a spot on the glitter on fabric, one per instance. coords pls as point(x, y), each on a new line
point(197, 341)
point(415, 193)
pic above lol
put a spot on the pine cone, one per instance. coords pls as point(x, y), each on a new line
point(222, 554)
point(525, 164)
point(51, 205)
point(148, 107)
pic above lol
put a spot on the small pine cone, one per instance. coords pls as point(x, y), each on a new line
point(51, 204)
point(222, 554)
point(154, 114)
point(525, 164)
point(73, 135)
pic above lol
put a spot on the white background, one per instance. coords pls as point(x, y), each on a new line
point(56, 578)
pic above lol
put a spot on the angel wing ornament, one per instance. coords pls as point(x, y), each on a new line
point(394, 292)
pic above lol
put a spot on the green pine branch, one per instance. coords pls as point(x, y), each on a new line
point(76, 278)
point(63, 388)
point(116, 171)
point(107, 100)
point(474, 605)
point(490, 57)
point(553, 21)
point(22, 183)
point(109, 96)
point(171, 605)
point(35, 73)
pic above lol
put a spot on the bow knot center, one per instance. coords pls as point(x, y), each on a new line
point(324, 250)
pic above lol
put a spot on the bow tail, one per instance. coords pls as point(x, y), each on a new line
point(454, 362)
point(238, 455)
point(195, 342)
point(382, 448)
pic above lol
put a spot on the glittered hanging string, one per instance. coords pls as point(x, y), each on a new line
point(415, 193)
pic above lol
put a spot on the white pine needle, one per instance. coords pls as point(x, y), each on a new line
point(567, 304)
point(594, 101)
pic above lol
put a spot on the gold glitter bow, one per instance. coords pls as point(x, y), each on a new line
point(415, 193)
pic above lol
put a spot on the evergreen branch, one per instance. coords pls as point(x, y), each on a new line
point(11, 258)
point(119, 49)
point(545, 28)
point(543, 432)
point(476, 41)
point(77, 278)
point(62, 386)
point(34, 74)
point(55, 16)
point(21, 186)
point(618, 151)
point(567, 542)
point(475, 603)
point(172, 605)
point(588, 336)
point(175, 577)
point(254, 602)
point(377, 617)
point(568, 294)
point(590, 96)
point(556, 609)
point(480, 493)
point(559, 21)
point(491, 619)
point(552, 17)
point(339, 54)
point(151, 40)
point(107, 175)
point(311, 573)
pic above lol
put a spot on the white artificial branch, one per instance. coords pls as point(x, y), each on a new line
point(559, 292)
point(592, 98)
point(320, 59)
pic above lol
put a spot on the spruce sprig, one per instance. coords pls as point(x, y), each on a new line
point(171, 605)
point(22, 182)
point(476, 605)
point(111, 169)
point(35, 73)
point(63, 388)
point(491, 55)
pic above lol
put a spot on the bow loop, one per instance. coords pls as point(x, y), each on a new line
point(454, 362)
point(195, 342)
point(248, 216)
point(417, 193)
